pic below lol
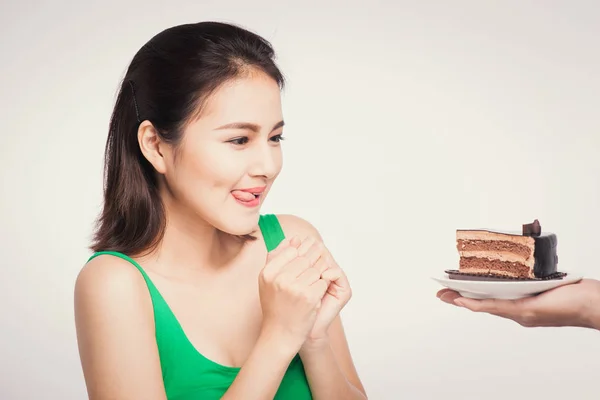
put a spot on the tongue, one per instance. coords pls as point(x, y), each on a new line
point(243, 196)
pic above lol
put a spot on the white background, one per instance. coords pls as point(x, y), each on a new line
point(405, 121)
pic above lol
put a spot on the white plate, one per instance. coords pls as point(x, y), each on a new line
point(504, 289)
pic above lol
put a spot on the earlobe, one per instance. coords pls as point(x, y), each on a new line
point(149, 143)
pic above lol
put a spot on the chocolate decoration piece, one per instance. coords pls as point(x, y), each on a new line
point(533, 229)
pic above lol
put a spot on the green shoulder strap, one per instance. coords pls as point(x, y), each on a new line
point(271, 230)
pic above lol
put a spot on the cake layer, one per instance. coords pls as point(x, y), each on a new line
point(487, 266)
point(500, 256)
point(504, 246)
point(486, 235)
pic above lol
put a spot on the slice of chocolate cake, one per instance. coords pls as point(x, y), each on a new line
point(528, 254)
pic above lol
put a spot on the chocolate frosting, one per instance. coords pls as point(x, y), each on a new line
point(546, 258)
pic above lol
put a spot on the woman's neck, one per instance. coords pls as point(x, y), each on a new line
point(192, 247)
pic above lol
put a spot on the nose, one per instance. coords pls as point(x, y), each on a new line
point(266, 161)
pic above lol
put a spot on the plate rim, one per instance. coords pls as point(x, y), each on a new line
point(511, 289)
point(572, 276)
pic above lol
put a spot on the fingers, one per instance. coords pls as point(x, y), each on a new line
point(448, 296)
point(319, 255)
point(501, 308)
point(284, 244)
point(295, 242)
point(302, 260)
point(319, 288)
point(333, 274)
point(322, 264)
point(295, 269)
point(441, 292)
point(312, 251)
point(309, 276)
point(306, 245)
point(315, 252)
point(511, 309)
point(490, 306)
point(280, 257)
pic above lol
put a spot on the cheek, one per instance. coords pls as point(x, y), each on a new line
point(277, 157)
point(206, 168)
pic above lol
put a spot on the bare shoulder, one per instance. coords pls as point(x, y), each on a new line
point(109, 286)
point(115, 331)
point(110, 277)
point(295, 225)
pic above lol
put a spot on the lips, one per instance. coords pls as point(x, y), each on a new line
point(254, 190)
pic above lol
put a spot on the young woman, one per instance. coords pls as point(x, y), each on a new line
point(191, 292)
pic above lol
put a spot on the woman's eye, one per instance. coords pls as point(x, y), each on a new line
point(277, 138)
point(239, 141)
point(244, 140)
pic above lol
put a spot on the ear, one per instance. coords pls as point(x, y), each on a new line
point(151, 146)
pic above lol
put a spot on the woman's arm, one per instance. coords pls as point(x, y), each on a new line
point(327, 362)
point(329, 366)
point(115, 332)
point(261, 375)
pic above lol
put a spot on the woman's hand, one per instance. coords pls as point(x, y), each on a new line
point(575, 304)
point(338, 290)
point(291, 290)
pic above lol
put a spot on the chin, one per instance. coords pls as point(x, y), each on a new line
point(239, 224)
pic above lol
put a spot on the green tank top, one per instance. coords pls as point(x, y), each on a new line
point(187, 374)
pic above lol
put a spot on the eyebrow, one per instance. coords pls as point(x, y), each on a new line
point(248, 126)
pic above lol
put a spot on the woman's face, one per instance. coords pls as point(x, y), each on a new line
point(230, 156)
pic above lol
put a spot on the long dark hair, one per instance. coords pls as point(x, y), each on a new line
point(166, 83)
